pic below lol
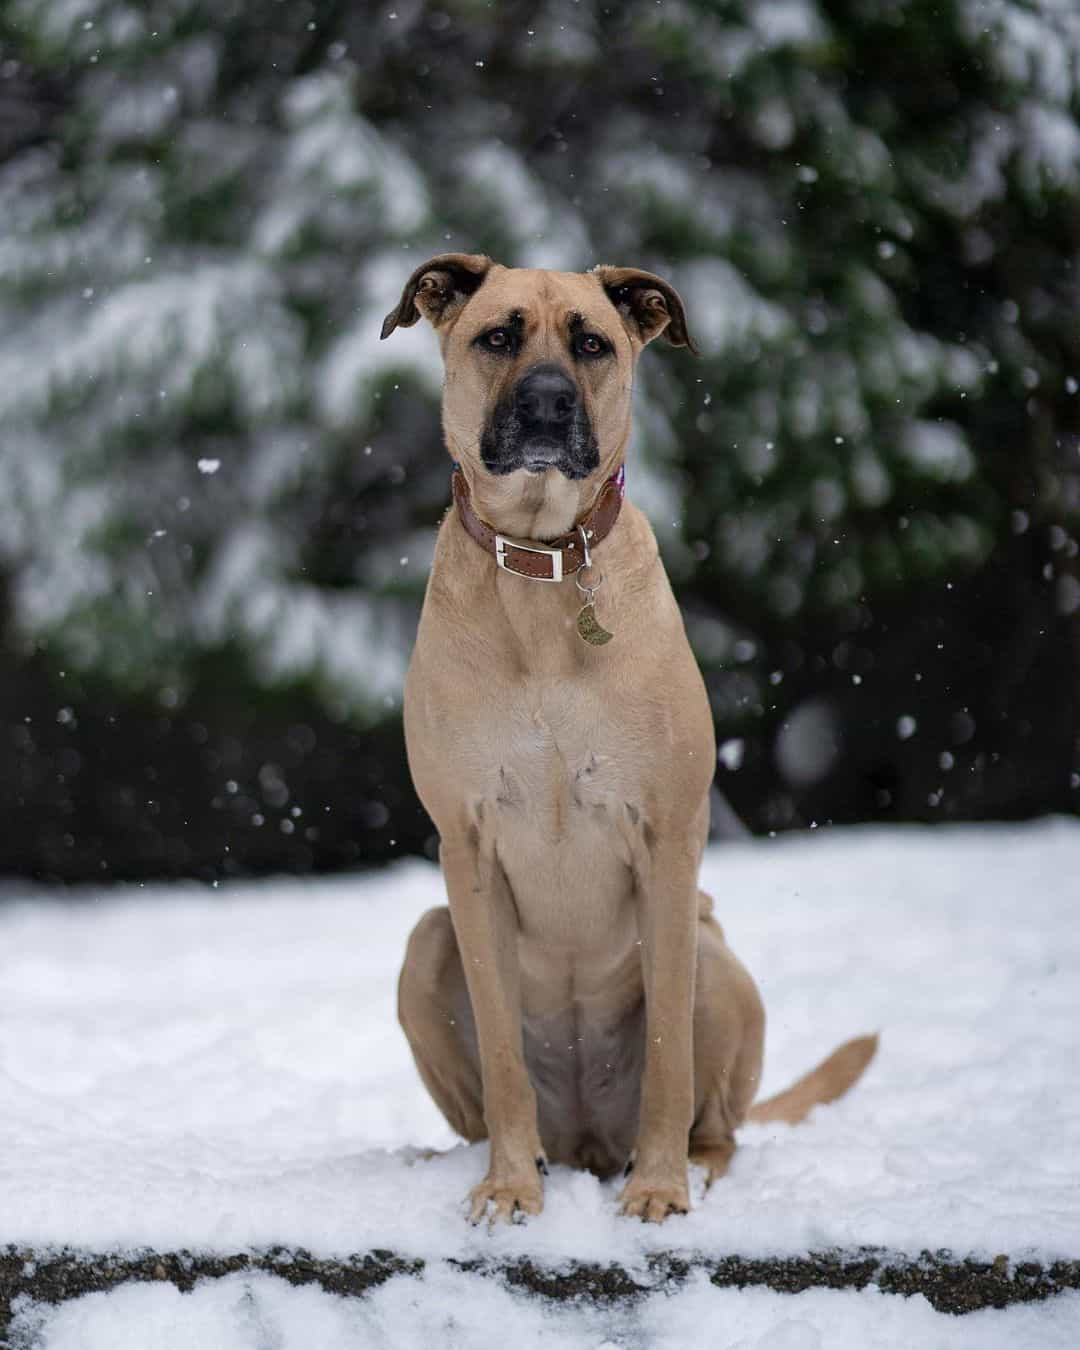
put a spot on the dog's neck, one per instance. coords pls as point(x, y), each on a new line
point(537, 623)
point(550, 559)
point(533, 506)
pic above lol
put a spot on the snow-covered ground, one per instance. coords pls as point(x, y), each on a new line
point(222, 1069)
point(447, 1310)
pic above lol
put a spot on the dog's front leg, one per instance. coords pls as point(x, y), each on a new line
point(485, 923)
point(667, 920)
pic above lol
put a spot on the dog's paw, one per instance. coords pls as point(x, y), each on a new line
point(502, 1200)
point(653, 1201)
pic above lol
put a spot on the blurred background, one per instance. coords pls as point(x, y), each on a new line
point(219, 491)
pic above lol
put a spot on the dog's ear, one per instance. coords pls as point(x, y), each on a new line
point(436, 288)
point(649, 305)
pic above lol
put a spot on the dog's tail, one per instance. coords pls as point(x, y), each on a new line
point(829, 1080)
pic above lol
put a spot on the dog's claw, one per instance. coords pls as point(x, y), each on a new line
point(716, 1161)
point(499, 1203)
point(653, 1202)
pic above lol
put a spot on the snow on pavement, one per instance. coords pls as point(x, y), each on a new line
point(457, 1311)
point(222, 1069)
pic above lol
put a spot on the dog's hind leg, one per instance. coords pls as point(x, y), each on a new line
point(436, 1016)
point(729, 1032)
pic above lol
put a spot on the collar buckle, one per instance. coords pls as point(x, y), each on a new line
point(505, 541)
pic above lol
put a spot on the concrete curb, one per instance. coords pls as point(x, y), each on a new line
point(950, 1284)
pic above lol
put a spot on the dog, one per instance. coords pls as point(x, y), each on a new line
point(577, 1002)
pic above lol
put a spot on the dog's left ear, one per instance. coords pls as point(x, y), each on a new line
point(436, 287)
point(649, 305)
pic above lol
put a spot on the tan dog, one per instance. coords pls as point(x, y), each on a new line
point(577, 1002)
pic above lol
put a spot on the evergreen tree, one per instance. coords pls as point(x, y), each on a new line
point(870, 208)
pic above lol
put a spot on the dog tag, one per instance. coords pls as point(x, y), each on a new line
point(589, 629)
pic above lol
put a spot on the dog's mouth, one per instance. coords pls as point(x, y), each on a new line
point(506, 445)
point(542, 453)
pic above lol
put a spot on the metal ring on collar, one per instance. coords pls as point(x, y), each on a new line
point(583, 586)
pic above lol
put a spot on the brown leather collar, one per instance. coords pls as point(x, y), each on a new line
point(551, 561)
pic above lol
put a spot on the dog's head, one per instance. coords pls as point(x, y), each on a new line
point(539, 370)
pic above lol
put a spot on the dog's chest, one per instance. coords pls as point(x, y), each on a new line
point(566, 826)
point(560, 764)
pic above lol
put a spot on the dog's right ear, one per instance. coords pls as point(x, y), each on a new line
point(437, 288)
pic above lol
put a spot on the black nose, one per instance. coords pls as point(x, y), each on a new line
point(546, 396)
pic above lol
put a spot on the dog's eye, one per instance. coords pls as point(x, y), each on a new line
point(591, 344)
point(497, 340)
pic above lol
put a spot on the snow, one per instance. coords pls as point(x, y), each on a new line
point(728, 312)
point(458, 1311)
point(730, 753)
point(789, 22)
point(1067, 594)
point(222, 1069)
point(301, 628)
point(1037, 42)
point(332, 162)
point(167, 329)
point(937, 450)
point(809, 742)
point(537, 224)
